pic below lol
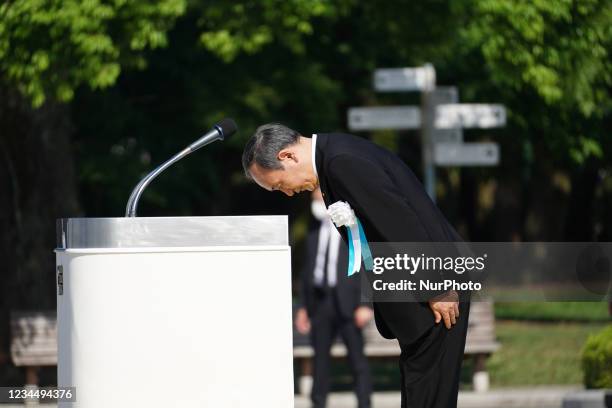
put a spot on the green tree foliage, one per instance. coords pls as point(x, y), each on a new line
point(230, 28)
point(50, 47)
point(560, 50)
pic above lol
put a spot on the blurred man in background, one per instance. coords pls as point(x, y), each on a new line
point(331, 306)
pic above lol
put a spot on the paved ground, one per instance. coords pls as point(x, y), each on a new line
point(532, 397)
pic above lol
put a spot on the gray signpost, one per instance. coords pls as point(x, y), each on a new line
point(384, 117)
point(440, 117)
point(405, 79)
point(469, 115)
point(466, 154)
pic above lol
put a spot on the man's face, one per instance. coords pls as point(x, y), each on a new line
point(294, 178)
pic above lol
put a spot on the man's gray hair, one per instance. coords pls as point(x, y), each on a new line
point(263, 147)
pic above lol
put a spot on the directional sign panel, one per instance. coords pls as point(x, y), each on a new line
point(405, 79)
point(469, 116)
point(466, 154)
point(384, 117)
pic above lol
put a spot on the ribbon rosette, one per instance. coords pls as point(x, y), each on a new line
point(342, 215)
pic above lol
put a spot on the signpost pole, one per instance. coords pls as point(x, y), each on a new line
point(427, 129)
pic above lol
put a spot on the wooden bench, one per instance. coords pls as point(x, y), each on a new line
point(33, 341)
point(480, 344)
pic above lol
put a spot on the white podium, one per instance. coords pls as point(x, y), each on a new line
point(175, 312)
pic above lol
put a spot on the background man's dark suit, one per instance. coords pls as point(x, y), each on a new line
point(331, 311)
point(392, 206)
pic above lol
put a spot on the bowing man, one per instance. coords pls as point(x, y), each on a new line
point(392, 206)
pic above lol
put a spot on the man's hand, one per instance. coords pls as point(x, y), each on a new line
point(302, 322)
point(362, 316)
point(445, 306)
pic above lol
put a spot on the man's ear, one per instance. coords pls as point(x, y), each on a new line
point(287, 154)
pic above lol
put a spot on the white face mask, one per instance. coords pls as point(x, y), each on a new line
point(318, 210)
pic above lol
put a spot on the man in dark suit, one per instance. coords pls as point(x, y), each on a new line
point(392, 206)
point(331, 306)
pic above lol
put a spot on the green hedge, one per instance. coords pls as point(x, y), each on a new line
point(597, 359)
point(553, 311)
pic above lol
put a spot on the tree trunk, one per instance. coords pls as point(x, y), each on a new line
point(38, 185)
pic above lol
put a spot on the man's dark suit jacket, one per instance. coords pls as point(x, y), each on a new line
point(347, 289)
point(392, 206)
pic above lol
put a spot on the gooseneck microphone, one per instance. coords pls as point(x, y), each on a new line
point(219, 131)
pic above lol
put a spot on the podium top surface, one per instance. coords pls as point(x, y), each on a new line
point(149, 232)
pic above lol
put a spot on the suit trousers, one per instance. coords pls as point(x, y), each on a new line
point(431, 365)
point(326, 324)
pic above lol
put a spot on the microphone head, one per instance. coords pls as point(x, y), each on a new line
point(226, 127)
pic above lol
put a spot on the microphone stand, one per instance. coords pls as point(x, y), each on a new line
point(222, 129)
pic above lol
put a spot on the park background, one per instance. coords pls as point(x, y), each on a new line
point(95, 94)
